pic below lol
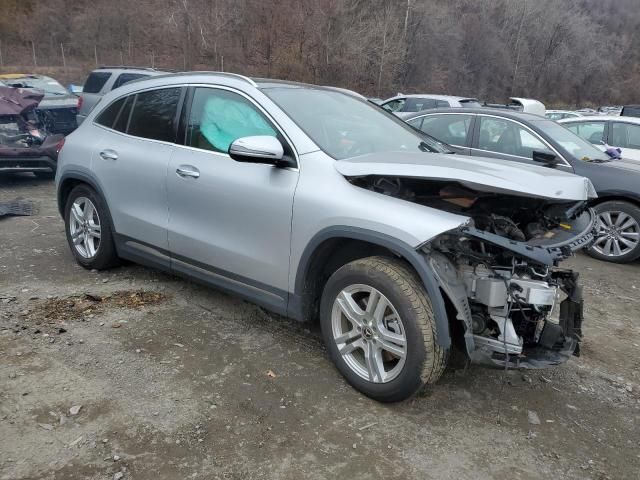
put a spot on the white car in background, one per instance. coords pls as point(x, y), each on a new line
point(418, 102)
point(614, 131)
point(561, 114)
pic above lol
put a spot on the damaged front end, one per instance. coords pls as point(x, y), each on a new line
point(501, 273)
point(500, 270)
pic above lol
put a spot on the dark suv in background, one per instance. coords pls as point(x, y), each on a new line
point(104, 79)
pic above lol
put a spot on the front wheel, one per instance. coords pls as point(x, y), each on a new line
point(618, 235)
point(378, 325)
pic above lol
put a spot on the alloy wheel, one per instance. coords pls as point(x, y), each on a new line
point(369, 333)
point(618, 234)
point(84, 227)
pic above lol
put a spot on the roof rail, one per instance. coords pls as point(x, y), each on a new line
point(125, 67)
point(226, 74)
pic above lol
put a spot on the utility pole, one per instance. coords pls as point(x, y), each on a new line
point(33, 49)
point(64, 60)
point(1, 59)
point(222, 63)
point(95, 54)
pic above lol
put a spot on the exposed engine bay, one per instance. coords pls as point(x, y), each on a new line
point(500, 270)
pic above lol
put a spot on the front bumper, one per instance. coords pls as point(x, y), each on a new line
point(557, 343)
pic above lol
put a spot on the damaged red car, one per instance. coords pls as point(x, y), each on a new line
point(25, 143)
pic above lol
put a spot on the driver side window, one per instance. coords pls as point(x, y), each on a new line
point(510, 138)
point(219, 117)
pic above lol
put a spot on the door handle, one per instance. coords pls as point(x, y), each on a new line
point(188, 171)
point(109, 154)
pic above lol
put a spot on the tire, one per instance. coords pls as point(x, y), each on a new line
point(399, 294)
point(619, 232)
point(45, 175)
point(103, 254)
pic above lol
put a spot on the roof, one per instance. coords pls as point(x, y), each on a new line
point(496, 112)
point(602, 118)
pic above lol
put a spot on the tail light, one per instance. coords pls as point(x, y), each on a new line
point(79, 102)
point(59, 145)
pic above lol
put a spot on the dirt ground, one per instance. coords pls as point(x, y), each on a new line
point(178, 381)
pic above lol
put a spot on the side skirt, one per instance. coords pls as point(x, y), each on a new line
point(272, 299)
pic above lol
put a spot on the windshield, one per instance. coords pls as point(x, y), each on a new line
point(344, 126)
point(572, 143)
point(48, 85)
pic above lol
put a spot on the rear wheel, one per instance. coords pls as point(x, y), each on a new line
point(379, 329)
point(618, 236)
point(88, 229)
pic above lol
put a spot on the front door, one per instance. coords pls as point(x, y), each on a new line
point(230, 222)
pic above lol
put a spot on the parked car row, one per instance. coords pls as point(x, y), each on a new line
point(443, 229)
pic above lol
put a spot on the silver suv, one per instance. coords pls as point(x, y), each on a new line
point(316, 204)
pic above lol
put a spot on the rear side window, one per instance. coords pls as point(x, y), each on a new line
point(95, 82)
point(109, 114)
point(126, 78)
point(122, 119)
point(442, 104)
point(154, 114)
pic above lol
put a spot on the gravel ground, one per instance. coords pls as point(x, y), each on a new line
point(175, 380)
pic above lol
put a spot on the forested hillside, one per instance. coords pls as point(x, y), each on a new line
point(561, 51)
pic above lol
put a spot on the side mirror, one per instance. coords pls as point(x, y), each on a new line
point(257, 149)
point(549, 159)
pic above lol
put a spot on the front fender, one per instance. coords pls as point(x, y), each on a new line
point(400, 248)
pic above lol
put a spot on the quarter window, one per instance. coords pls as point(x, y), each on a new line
point(154, 114)
point(451, 129)
point(593, 132)
point(219, 117)
point(625, 135)
point(122, 119)
point(507, 137)
point(109, 114)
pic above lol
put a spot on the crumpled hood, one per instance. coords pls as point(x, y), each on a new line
point(481, 174)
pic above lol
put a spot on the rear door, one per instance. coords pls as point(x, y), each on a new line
point(230, 220)
point(131, 162)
